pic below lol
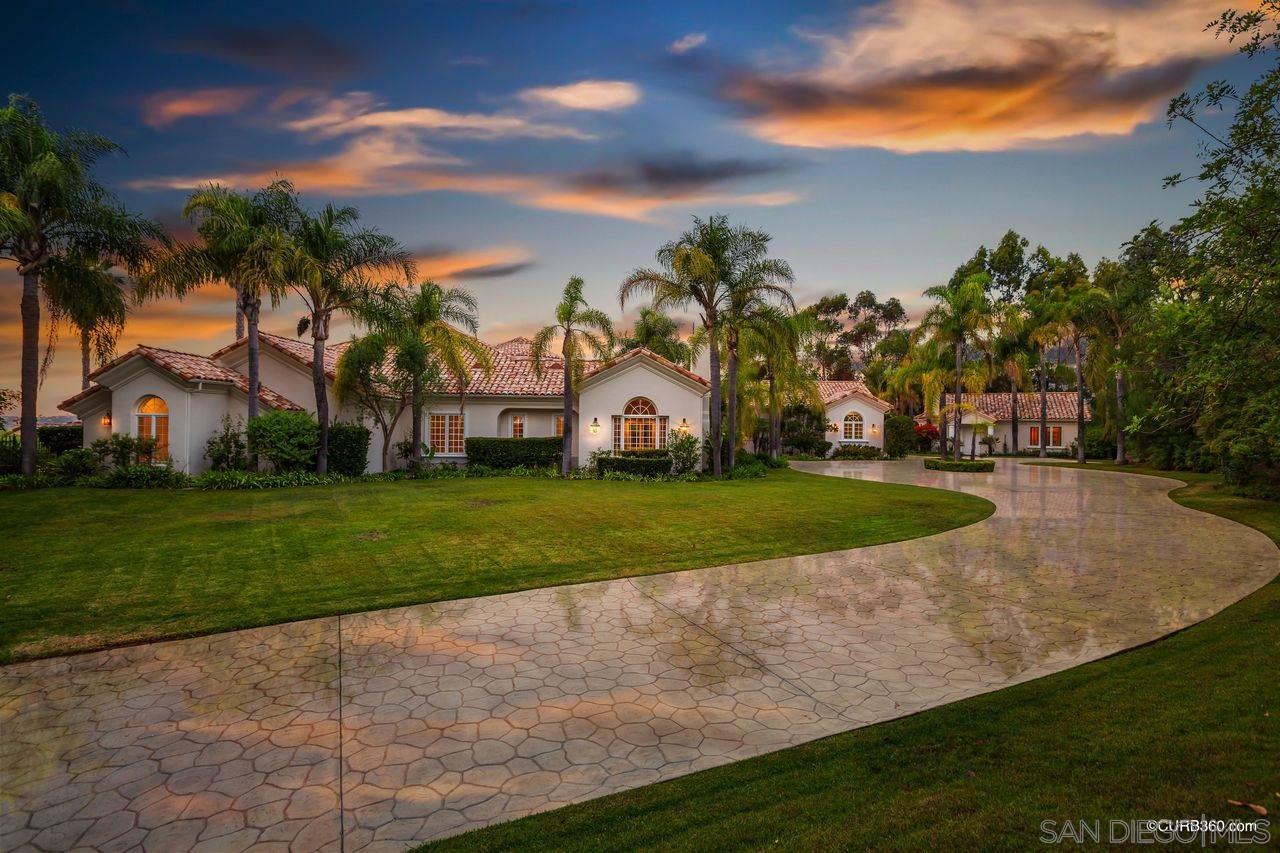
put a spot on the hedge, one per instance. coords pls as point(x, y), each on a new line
point(513, 452)
point(348, 448)
point(60, 438)
point(899, 436)
point(979, 466)
point(643, 466)
point(857, 451)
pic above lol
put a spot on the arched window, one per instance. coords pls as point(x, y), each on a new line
point(152, 420)
point(853, 427)
point(639, 427)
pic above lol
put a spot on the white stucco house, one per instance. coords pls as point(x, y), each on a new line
point(992, 414)
point(633, 401)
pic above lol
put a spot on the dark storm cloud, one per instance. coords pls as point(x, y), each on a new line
point(294, 50)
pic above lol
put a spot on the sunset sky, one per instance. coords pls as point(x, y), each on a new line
point(511, 145)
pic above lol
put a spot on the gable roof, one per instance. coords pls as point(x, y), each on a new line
point(188, 367)
point(833, 391)
point(299, 351)
point(1061, 405)
point(650, 355)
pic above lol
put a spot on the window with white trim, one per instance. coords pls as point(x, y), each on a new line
point(559, 426)
point(853, 426)
point(517, 426)
point(152, 420)
point(639, 427)
point(446, 434)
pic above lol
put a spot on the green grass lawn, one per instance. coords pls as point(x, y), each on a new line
point(85, 568)
point(1173, 729)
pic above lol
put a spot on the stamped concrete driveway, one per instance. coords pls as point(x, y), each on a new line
point(381, 729)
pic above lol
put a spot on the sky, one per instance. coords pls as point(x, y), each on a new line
point(511, 144)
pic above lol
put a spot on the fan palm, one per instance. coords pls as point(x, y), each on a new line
point(84, 293)
point(959, 320)
point(51, 207)
point(772, 340)
point(1011, 352)
point(582, 330)
point(429, 329)
point(235, 229)
point(329, 262)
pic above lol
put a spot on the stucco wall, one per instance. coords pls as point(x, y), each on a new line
point(194, 415)
point(1003, 432)
point(872, 420)
point(608, 396)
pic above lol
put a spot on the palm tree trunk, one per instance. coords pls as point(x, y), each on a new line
point(240, 318)
point(252, 314)
point(30, 367)
point(775, 418)
point(959, 451)
point(973, 442)
point(713, 352)
point(1014, 417)
point(415, 428)
point(566, 439)
point(1044, 404)
point(84, 359)
point(1122, 393)
point(733, 397)
point(942, 436)
point(1079, 404)
point(319, 334)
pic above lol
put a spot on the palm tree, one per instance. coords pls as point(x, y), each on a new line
point(702, 267)
point(51, 207)
point(773, 339)
point(658, 333)
point(236, 231)
point(581, 330)
point(362, 378)
point(83, 292)
point(1011, 351)
point(329, 262)
point(429, 328)
point(754, 282)
point(959, 319)
point(1048, 327)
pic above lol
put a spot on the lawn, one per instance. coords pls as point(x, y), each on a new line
point(85, 569)
point(1173, 729)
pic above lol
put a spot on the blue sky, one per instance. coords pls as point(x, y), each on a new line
point(514, 144)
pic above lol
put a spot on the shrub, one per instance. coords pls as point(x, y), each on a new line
point(899, 436)
point(19, 483)
point(226, 449)
point(124, 450)
point(804, 431)
point(60, 438)
point(652, 451)
point(1096, 444)
point(74, 465)
point(926, 435)
point(288, 440)
point(685, 453)
point(642, 466)
point(348, 448)
point(769, 462)
point(510, 452)
point(857, 451)
point(748, 469)
point(10, 453)
point(217, 481)
point(967, 465)
point(139, 477)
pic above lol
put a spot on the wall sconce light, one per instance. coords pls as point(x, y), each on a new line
point(684, 425)
point(875, 430)
point(106, 419)
point(595, 426)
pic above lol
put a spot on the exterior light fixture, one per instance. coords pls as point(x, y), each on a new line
point(595, 426)
point(875, 430)
point(106, 419)
point(684, 425)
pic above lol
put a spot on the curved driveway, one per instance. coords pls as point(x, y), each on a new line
point(396, 726)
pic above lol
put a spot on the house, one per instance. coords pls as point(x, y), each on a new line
point(992, 415)
point(632, 402)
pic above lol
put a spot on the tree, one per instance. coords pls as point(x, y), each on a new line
point(328, 261)
point(51, 207)
point(1007, 265)
point(237, 231)
point(582, 331)
point(84, 293)
point(1011, 353)
point(658, 333)
point(689, 273)
point(365, 379)
point(1050, 283)
point(772, 340)
point(430, 331)
point(958, 319)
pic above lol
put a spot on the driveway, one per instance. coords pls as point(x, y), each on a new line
point(382, 729)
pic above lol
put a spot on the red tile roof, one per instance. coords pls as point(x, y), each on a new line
point(189, 368)
point(835, 390)
point(1061, 405)
point(642, 352)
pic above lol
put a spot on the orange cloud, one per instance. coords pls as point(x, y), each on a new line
point(358, 112)
point(983, 75)
point(173, 105)
point(586, 95)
